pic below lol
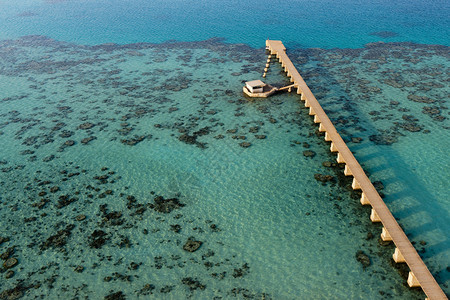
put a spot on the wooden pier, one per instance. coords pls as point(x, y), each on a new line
point(419, 275)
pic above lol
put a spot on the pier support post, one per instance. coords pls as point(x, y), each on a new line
point(412, 280)
point(322, 128)
point(299, 91)
point(385, 236)
point(340, 159)
point(311, 112)
point(364, 200)
point(374, 217)
point(355, 184)
point(303, 98)
point(306, 102)
point(316, 119)
point(327, 137)
point(333, 148)
point(398, 257)
point(347, 171)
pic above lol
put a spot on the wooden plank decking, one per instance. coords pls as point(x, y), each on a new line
point(405, 252)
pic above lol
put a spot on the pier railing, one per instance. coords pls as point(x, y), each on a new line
point(419, 275)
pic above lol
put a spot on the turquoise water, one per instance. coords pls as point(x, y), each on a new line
point(325, 24)
point(93, 135)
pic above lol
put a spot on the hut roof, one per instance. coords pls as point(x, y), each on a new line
point(255, 83)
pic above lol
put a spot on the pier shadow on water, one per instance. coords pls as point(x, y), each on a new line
point(422, 213)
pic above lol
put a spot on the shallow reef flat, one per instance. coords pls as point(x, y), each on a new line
point(141, 171)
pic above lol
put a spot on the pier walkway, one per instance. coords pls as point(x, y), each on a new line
point(419, 275)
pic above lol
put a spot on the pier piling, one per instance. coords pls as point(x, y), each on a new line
point(398, 257)
point(364, 200)
point(385, 236)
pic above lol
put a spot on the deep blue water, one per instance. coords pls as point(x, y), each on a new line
point(327, 24)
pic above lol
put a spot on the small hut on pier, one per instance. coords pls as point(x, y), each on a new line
point(257, 88)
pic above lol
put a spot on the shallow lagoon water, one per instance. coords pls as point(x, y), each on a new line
point(99, 132)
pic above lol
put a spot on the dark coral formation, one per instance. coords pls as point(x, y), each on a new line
point(363, 259)
point(97, 239)
point(192, 245)
point(59, 239)
point(165, 205)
